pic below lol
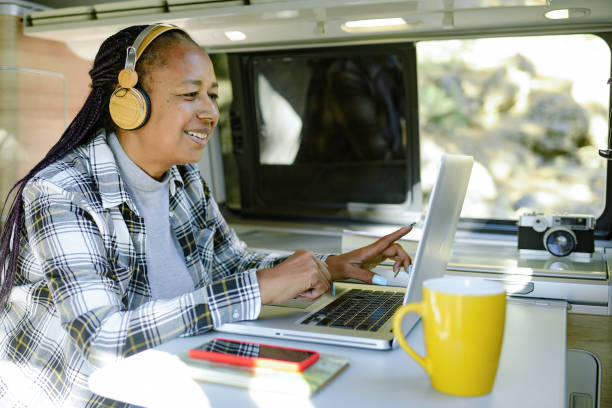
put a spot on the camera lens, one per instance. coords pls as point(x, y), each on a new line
point(559, 241)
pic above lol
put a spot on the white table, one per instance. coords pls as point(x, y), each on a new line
point(531, 372)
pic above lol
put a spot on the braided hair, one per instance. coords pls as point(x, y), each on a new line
point(94, 115)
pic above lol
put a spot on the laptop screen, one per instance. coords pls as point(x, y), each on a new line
point(441, 219)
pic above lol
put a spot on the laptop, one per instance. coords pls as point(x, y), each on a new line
point(360, 315)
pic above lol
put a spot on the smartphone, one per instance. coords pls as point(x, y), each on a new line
point(254, 355)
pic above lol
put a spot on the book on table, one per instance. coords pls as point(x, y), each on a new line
point(305, 383)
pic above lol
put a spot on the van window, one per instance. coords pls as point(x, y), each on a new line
point(533, 111)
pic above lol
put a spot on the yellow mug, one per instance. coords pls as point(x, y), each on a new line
point(463, 326)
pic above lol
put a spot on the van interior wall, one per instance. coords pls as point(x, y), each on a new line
point(44, 84)
point(33, 117)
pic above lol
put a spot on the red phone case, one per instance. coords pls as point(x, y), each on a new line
point(255, 362)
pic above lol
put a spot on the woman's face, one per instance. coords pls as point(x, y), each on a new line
point(183, 91)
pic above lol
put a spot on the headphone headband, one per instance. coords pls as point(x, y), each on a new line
point(149, 34)
point(143, 40)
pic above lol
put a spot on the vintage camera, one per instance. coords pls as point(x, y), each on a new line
point(560, 235)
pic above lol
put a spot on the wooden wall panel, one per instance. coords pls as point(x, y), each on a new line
point(8, 104)
point(594, 333)
point(33, 98)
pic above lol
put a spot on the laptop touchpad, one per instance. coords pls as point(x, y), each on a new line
point(295, 304)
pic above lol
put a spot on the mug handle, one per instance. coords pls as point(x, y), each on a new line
point(397, 331)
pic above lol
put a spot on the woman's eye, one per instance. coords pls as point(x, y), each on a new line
point(214, 97)
point(190, 95)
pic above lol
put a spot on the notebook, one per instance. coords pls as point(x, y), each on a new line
point(363, 312)
point(304, 383)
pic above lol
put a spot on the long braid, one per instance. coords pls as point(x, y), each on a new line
point(93, 115)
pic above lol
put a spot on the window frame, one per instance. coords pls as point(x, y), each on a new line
point(603, 230)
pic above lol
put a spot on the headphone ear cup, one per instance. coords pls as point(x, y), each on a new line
point(129, 108)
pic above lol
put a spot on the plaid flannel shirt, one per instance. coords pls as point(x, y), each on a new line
point(81, 297)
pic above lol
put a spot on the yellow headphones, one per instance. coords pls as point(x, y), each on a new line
point(130, 106)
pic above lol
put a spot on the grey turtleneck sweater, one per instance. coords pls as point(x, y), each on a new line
point(167, 272)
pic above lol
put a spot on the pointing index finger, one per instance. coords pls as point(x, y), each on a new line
point(387, 240)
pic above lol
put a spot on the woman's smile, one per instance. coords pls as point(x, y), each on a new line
point(198, 137)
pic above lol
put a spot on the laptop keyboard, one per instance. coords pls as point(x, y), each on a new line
point(358, 309)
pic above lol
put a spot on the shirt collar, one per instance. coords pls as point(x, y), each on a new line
point(106, 173)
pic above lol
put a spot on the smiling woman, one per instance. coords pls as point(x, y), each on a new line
point(113, 243)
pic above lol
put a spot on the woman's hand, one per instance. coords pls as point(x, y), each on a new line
point(302, 274)
point(356, 264)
